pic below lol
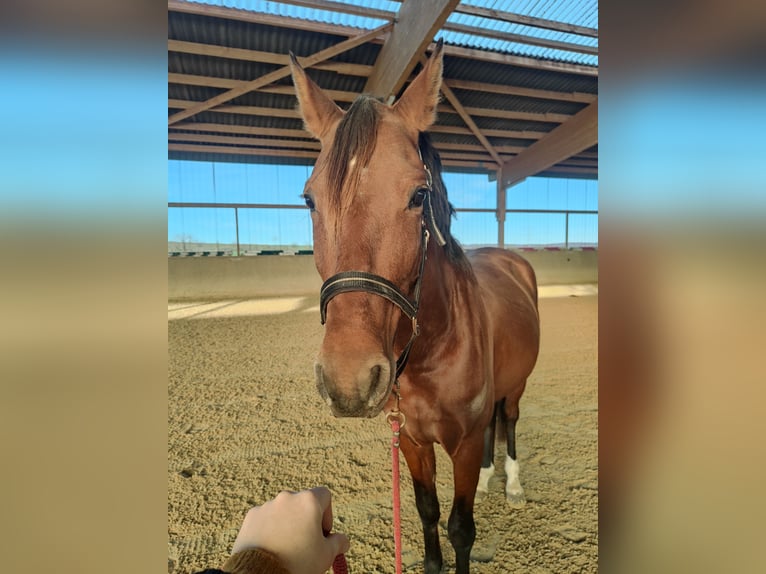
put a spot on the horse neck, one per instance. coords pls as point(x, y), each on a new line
point(447, 291)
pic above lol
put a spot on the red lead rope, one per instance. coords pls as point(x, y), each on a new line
point(396, 425)
point(339, 565)
point(396, 419)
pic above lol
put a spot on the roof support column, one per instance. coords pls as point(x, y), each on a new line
point(500, 209)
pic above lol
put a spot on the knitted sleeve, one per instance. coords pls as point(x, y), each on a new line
point(251, 561)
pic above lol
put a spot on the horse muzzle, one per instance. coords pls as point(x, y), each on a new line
point(355, 391)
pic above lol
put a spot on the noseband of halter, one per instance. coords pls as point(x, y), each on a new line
point(347, 281)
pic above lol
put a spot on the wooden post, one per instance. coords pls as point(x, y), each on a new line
point(236, 226)
point(500, 210)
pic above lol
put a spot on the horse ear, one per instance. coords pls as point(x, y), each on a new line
point(319, 112)
point(417, 106)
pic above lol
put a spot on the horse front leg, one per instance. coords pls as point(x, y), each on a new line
point(421, 461)
point(466, 462)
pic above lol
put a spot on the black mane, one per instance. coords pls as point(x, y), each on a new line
point(442, 208)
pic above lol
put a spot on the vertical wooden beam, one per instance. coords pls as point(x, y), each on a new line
point(500, 209)
point(416, 24)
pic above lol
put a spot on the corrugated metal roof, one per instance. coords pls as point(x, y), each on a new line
point(474, 98)
point(298, 12)
point(262, 48)
point(580, 9)
point(578, 12)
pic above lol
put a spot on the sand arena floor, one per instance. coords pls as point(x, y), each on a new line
point(245, 421)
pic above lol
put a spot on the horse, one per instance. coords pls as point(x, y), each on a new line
point(464, 325)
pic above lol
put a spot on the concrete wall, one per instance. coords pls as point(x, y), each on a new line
point(264, 276)
point(564, 267)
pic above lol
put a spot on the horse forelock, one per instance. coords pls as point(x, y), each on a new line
point(352, 147)
point(352, 150)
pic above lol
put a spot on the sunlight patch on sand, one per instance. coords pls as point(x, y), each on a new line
point(567, 290)
point(192, 309)
point(220, 309)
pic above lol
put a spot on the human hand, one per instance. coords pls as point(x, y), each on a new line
point(295, 527)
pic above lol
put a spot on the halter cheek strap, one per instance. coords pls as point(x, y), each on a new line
point(348, 281)
point(370, 283)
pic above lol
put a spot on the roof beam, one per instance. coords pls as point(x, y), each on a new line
point(524, 92)
point(521, 39)
point(527, 20)
point(260, 18)
point(530, 135)
point(341, 96)
point(570, 138)
point(343, 8)
point(511, 115)
point(306, 62)
point(244, 110)
point(234, 140)
point(521, 61)
point(262, 57)
point(242, 150)
point(214, 82)
point(450, 95)
point(266, 152)
point(417, 23)
point(237, 129)
point(462, 111)
point(281, 132)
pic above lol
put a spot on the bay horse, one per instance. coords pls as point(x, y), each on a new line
point(376, 197)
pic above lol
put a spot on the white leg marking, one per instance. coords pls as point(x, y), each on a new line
point(484, 475)
point(512, 486)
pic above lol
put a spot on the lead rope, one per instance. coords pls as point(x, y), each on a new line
point(339, 565)
point(396, 419)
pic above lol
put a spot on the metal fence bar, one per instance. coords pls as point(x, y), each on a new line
point(237, 206)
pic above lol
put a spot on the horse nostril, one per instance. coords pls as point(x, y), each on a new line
point(321, 385)
point(375, 377)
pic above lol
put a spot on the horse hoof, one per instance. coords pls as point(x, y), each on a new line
point(515, 499)
point(479, 496)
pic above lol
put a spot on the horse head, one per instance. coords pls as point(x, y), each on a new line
point(368, 196)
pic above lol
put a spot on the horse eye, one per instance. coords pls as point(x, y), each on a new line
point(309, 202)
point(418, 198)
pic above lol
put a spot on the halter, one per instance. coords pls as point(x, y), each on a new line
point(347, 281)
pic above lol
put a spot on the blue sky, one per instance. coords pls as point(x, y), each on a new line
point(271, 184)
point(221, 182)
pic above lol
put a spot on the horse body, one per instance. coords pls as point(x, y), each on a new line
point(376, 196)
point(509, 290)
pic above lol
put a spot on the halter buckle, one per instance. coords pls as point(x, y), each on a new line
point(398, 416)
